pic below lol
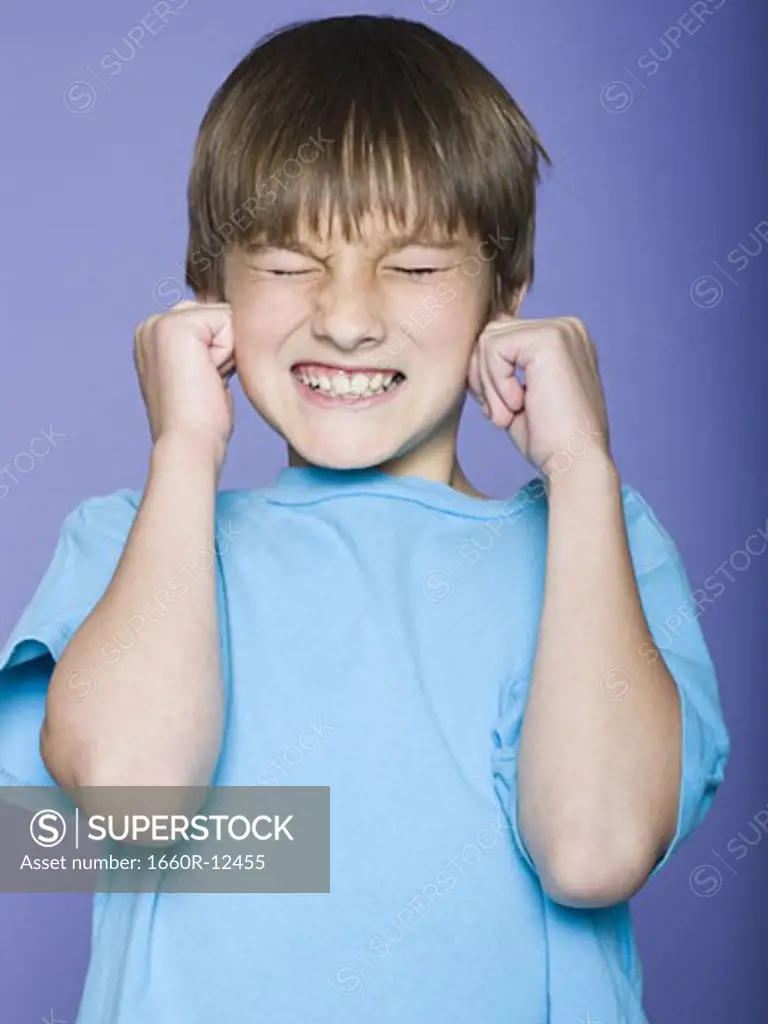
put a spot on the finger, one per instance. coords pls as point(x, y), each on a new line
point(220, 340)
point(514, 340)
point(499, 413)
point(183, 304)
point(502, 323)
point(187, 303)
point(474, 382)
point(489, 398)
point(502, 372)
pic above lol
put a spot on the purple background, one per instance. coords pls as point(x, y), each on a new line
point(655, 182)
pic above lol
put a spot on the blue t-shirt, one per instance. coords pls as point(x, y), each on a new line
point(378, 636)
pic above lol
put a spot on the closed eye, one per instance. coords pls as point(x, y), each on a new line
point(416, 271)
point(286, 273)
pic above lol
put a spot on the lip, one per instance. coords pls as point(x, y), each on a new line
point(344, 368)
point(357, 404)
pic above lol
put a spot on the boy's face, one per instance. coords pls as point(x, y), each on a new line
point(357, 352)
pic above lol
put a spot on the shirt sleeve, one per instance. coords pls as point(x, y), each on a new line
point(673, 620)
point(672, 617)
point(90, 543)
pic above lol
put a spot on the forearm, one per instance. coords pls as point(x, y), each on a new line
point(154, 715)
point(599, 758)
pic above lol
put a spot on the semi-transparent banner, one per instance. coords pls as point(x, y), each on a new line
point(165, 839)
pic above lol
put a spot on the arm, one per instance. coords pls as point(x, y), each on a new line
point(598, 769)
point(155, 716)
point(598, 778)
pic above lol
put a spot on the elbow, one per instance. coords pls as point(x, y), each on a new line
point(585, 875)
point(58, 765)
point(103, 785)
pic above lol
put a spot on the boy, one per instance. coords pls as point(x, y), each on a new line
point(502, 740)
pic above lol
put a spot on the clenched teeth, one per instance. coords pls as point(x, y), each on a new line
point(355, 385)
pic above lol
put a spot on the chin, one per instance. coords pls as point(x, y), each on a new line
point(338, 454)
point(352, 443)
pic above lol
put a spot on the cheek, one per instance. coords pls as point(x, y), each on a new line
point(258, 328)
point(447, 344)
point(450, 317)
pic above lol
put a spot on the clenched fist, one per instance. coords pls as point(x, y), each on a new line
point(560, 407)
point(184, 359)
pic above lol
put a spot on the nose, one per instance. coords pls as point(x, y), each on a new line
point(348, 310)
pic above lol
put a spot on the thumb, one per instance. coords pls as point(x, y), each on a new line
point(474, 380)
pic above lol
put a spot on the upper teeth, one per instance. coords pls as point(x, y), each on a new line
point(337, 382)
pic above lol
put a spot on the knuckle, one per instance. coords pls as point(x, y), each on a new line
point(164, 327)
point(578, 326)
point(145, 325)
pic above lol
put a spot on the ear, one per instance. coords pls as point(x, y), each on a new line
point(501, 316)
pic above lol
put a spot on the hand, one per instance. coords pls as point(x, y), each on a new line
point(559, 410)
point(184, 359)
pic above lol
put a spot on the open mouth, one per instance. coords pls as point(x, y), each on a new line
point(347, 384)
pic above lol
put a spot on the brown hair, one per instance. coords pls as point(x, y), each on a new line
point(337, 115)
